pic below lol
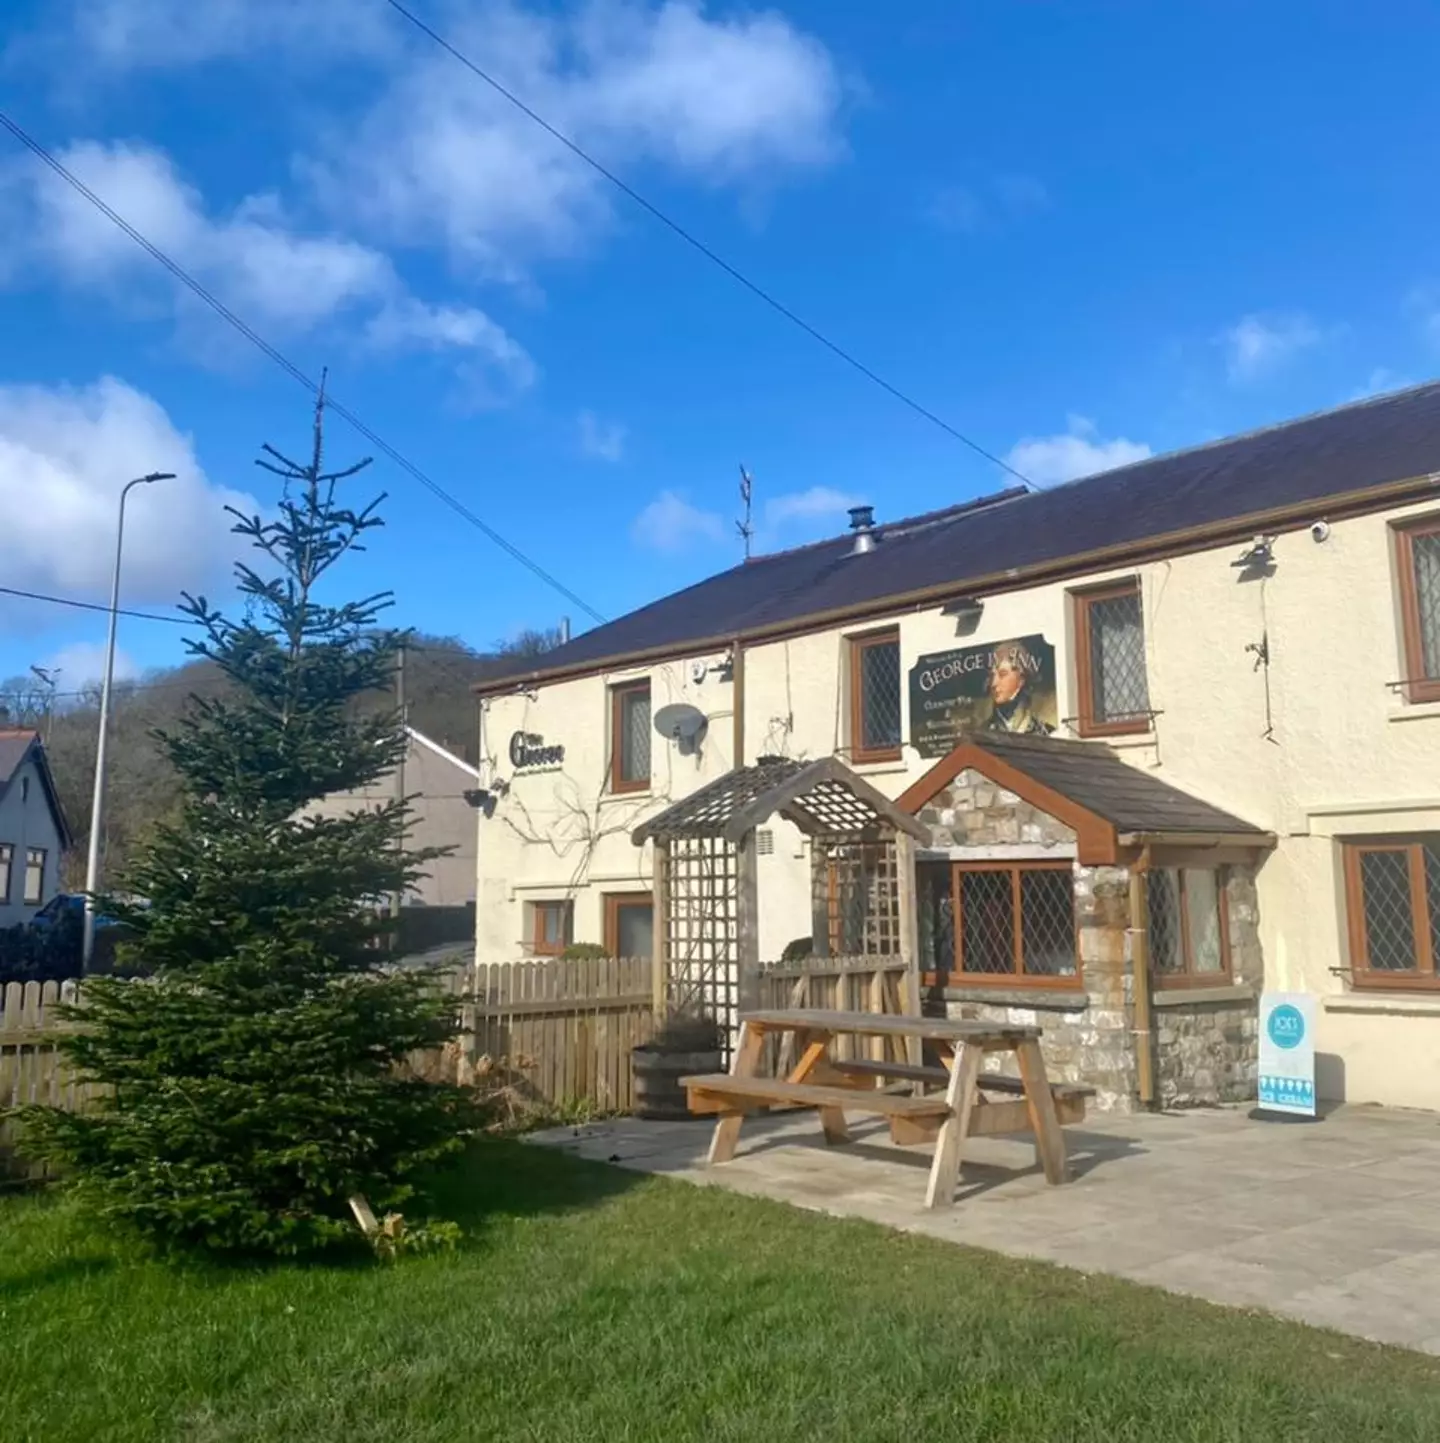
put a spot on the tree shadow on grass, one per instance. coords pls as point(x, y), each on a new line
point(56, 1274)
point(498, 1178)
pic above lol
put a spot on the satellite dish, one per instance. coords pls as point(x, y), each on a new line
point(683, 724)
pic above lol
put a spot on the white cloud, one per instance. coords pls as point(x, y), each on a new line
point(272, 275)
point(818, 502)
point(1022, 193)
point(82, 664)
point(957, 208)
point(441, 157)
point(141, 35)
point(603, 440)
point(1079, 451)
point(1381, 381)
point(967, 209)
point(1257, 346)
point(65, 454)
point(670, 523)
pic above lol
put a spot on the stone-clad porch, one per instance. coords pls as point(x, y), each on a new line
point(1038, 803)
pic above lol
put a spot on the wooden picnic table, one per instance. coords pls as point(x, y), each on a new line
point(834, 1087)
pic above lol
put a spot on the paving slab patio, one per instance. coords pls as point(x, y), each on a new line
point(1331, 1222)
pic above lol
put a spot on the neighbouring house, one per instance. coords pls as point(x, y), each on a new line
point(33, 831)
point(436, 781)
point(1186, 710)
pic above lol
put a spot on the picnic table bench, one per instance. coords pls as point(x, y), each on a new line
point(834, 1087)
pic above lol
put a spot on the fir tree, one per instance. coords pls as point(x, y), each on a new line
point(249, 1084)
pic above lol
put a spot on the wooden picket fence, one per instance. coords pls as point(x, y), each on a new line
point(561, 1030)
point(30, 1065)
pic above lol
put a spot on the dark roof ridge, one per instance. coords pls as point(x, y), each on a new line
point(906, 525)
point(1237, 436)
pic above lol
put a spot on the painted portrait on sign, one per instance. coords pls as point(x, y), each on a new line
point(1021, 701)
point(1007, 686)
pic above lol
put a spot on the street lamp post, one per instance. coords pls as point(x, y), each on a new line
point(97, 801)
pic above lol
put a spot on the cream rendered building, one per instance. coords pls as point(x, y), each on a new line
point(1254, 624)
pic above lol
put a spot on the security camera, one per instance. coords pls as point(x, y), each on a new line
point(1319, 531)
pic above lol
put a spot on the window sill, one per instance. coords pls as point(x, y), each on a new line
point(884, 766)
point(1201, 996)
point(1414, 711)
point(1123, 740)
point(630, 794)
point(1066, 999)
point(1394, 1004)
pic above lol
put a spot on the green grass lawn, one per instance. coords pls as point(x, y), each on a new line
point(593, 1304)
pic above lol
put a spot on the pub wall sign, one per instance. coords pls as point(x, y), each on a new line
point(528, 749)
point(1006, 686)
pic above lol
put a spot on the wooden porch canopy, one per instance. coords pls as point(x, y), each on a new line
point(1114, 809)
point(822, 798)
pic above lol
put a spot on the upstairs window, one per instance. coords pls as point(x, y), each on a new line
point(1110, 660)
point(630, 737)
point(875, 697)
point(1418, 558)
point(1392, 891)
point(7, 861)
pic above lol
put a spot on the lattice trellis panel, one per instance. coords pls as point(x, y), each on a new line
point(702, 947)
point(856, 890)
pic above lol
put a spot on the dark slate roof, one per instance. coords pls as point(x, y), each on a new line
point(1385, 439)
point(1093, 776)
point(15, 746)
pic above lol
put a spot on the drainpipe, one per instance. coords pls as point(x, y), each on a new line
point(1140, 974)
point(737, 673)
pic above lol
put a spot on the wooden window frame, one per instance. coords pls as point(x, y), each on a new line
point(1424, 978)
point(1189, 977)
point(1081, 602)
point(614, 901)
point(859, 645)
point(1417, 686)
point(538, 945)
point(958, 977)
point(26, 900)
point(7, 867)
point(618, 693)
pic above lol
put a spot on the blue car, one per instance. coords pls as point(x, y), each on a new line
point(64, 905)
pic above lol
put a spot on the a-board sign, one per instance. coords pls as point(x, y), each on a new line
point(1006, 686)
point(1287, 1052)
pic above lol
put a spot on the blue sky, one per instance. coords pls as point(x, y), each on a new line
point(1078, 233)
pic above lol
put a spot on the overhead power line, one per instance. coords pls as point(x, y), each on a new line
point(289, 367)
point(694, 241)
point(92, 606)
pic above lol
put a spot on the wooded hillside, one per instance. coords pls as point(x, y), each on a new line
point(439, 672)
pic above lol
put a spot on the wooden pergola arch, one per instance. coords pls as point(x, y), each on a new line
point(706, 884)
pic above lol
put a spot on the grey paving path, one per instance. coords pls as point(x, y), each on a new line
point(1335, 1223)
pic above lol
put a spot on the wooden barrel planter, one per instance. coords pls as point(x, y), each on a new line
point(658, 1094)
point(684, 1046)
